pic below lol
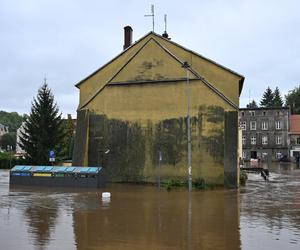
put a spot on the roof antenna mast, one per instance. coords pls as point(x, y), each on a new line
point(165, 19)
point(151, 15)
point(165, 34)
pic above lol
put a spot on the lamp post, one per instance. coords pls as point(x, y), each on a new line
point(187, 67)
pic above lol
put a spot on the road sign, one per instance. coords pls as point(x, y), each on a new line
point(51, 156)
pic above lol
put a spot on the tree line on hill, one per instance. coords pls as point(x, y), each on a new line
point(272, 98)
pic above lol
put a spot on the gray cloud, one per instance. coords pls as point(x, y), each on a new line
point(67, 40)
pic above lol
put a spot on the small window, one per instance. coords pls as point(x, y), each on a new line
point(243, 113)
point(264, 140)
point(252, 125)
point(278, 113)
point(277, 124)
point(264, 113)
point(252, 113)
point(244, 140)
point(298, 140)
point(278, 140)
point(253, 140)
point(264, 125)
point(243, 125)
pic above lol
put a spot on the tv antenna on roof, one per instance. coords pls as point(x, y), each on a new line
point(165, 34)
point(151, 15)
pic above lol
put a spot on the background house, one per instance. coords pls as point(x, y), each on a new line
point(264, 132)
point(3, 130)
point(20, 131)
point(135, 106)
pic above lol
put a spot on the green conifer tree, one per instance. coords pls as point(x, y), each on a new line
point(43, 130)
point(267, 99)
point(252, 104)
point(277, 100)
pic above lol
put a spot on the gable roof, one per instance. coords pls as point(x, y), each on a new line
point(176, 44)
point(181, 74)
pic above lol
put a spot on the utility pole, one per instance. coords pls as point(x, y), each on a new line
point(187, 67)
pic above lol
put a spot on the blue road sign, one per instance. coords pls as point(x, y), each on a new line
point(51, 154)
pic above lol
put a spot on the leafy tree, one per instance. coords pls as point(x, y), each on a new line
point(267, 99)
point(43, 130)
point(277, 100)
point(8, 139)
point(292, 99)
point(252, 104)
point(11, 119)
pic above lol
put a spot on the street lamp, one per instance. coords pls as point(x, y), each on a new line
point(187, 68)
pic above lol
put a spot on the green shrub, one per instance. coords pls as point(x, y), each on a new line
point(8, 161)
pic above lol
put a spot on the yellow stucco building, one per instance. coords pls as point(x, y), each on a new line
point(135, 106)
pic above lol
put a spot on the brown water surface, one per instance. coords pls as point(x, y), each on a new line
point(262, 215)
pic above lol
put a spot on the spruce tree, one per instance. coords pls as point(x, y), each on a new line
point(252, 104)
point(277, 100)
point(267, 99)
point(43, 130)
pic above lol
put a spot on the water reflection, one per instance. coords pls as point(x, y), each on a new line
point(40, 215)
point(261, 215)
point(271, 210)
point(142, 218)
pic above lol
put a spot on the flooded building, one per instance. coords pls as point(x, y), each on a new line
point(20, 131)
point(132, 114)
point(294, 136)
point(264, 133)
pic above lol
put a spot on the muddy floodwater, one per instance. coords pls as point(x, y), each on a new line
point(261, 215)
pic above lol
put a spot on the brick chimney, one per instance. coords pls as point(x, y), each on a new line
point(127, 37)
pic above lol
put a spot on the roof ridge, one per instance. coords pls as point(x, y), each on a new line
point(201, 78)
point(197, 54)
point(114, 58)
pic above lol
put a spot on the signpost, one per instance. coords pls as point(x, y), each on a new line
point(52, 156)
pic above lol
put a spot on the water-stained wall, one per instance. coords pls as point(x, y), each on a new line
point(129, 150)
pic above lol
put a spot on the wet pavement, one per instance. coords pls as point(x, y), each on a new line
point(261, 215)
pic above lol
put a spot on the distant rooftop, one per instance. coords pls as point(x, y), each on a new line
point(263, 108)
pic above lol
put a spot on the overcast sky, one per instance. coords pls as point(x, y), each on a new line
point(67, 40)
